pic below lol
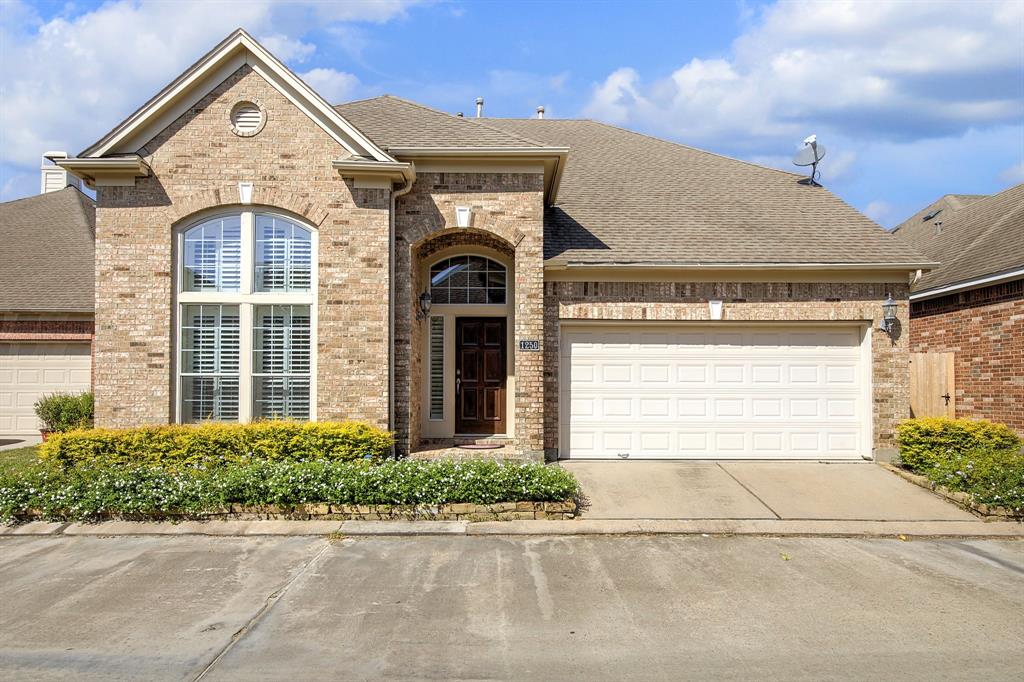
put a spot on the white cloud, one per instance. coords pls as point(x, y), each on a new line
point(335, 86)
point(1014, 175)
point(881, 212)
point(67, 80)
point(887, 69)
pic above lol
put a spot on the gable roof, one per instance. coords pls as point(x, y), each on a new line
point(631, 199)
point(47, 252)
point(974, 237)
point(238, 49)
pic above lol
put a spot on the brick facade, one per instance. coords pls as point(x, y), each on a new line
point(197, 163)
point(507, 218)
point(984, 329)
point(754, 302)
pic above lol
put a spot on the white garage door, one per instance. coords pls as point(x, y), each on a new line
point(30, 370)
point(706, 391)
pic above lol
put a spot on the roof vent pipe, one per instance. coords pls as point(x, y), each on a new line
point(479, 107)
point(540, 111)
point(458, 115)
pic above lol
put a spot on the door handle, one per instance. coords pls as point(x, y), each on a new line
point(946, 396)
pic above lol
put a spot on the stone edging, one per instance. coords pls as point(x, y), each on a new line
point(960, 499)
point(500, 511)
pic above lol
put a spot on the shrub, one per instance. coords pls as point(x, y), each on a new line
point(212, 445)
point(64, 411)
point(991, 476)
point(90, 492)
point(929, 441)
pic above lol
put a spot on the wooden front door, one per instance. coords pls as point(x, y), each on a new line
point(480, 375)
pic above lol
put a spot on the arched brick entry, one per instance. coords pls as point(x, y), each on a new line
point(507, 222)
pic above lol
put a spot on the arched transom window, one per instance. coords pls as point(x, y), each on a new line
point(467, 279)
point(246, 327)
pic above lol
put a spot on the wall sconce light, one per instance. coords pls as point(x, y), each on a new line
point(463, 216)
point(424, 302)
point(889, 315)
point(715, 309)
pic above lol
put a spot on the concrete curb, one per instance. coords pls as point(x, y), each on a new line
point(751, 527)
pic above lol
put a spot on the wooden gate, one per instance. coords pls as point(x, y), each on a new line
point(932, 390)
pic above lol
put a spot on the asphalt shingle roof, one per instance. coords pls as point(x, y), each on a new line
point(976, 236)
point(392, 122)
point(630, 198)
point(47, 253)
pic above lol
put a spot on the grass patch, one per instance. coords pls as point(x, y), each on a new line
point(19, 459)
point(86, 493)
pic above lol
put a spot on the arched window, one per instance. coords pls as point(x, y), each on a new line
point(246, 322)
point(467, 279)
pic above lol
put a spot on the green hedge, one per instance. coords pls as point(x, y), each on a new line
point(89, 492)
point(212, 445)
point(977, 457)
point(929, 441)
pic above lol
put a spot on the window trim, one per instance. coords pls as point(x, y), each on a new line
point(246, 299)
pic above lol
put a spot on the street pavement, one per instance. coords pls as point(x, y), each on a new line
point(509, 608)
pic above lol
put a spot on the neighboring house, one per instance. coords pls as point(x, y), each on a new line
point(551, 287)
point(46, 299)
point(973, 304)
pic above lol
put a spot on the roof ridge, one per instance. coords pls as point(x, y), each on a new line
point(684, 146)
point(980, 238)
point(45, 194)
point(461, 119)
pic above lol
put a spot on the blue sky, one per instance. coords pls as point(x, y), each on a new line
point(912, 99)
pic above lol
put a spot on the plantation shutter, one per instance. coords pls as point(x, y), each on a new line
point(209, 353)
point(284, 253)
point(282, 361)
point(437, 368)
point(213, 256)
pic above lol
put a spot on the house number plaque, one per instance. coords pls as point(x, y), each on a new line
point(530, 345)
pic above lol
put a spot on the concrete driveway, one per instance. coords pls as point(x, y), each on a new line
point(859, 491)
point(474, 608)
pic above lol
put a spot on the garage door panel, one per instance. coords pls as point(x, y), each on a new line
point(30, 370)
point(743, 393)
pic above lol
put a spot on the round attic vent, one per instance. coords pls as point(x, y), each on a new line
point(247, 119)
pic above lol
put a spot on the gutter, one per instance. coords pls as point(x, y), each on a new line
point(648, 265)
point(968, 284)
point(395, 193)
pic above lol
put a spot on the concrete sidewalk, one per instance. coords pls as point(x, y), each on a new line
point(790, 491)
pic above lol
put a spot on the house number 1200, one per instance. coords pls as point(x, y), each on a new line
point(529, 345)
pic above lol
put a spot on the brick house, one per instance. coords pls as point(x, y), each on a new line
point(972, 305)
point(46, 299)
point(549, 287)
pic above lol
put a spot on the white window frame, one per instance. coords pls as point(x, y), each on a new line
point(246, 299)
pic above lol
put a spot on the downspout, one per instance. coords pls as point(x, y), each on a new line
point(395, 193)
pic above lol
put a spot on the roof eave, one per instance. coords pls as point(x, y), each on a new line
point(111, 171)
point(965, 285)
point(553, 159)
point(396, 171)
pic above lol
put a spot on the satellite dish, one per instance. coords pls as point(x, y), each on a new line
point(809, 155)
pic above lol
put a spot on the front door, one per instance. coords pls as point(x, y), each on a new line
point(480, 375)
